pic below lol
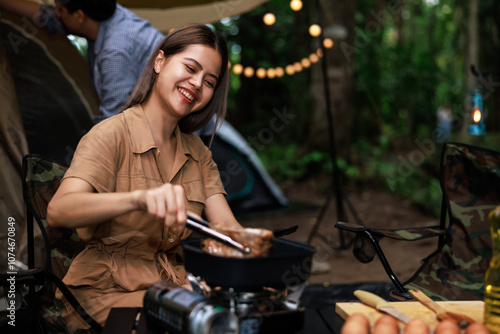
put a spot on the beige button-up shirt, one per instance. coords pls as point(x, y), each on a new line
point(132, 251)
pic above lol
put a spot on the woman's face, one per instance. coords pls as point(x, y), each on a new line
point(186, 81)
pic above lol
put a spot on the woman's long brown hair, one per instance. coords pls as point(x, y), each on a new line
point(175, 42)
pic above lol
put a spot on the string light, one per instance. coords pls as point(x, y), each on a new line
point(314, 58)
point(296, 5)
point(290, 69)
point(271, 73)
point(249, 72)
point(237, 69)
point(261, 73)
point(306, 63)
point(314, 30)
point(278, 72)
point(328, 43)
point(269, 19)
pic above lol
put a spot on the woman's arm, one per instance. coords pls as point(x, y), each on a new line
point(218, 212)
point(76, 204)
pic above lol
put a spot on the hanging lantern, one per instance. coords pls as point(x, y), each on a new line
point(477, 127)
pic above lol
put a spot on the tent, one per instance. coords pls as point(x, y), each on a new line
point(245, 179)
point(57, 102)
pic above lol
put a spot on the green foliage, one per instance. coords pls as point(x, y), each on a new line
point(80, 44)
point(252, 101)
point(408, 58)
point(413, 175)
point(287, 164)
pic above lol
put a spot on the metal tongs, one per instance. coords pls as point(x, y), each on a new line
point(202, 227)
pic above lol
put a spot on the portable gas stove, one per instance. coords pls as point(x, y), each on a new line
point(265, 311)
point(178, 310)
point(246, 295)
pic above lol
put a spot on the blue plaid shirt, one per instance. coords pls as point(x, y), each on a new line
point(117, 57)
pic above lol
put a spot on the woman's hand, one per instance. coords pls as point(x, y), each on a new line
point(167, 203)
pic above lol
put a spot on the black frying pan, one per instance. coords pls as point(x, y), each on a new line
point(288, 264)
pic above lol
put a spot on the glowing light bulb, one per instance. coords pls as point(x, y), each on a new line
point(237, 69)
point(297, 67)
point(280, 72)
point(261, 73)
point(269, 19)
point(249, 72)
point(476, 116)
point(328, 43)
point(289, 70)
point(305, 62)
point(271, 73)
point(296, 5)
point(313, 58)
point(315, 30)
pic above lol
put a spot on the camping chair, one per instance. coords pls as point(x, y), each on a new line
point(35, 287)
point(470, 182)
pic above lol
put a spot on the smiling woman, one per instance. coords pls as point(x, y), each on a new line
point(135, 176)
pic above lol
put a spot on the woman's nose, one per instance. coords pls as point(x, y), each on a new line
point(197, 81)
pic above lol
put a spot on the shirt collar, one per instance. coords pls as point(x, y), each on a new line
point(142, 137)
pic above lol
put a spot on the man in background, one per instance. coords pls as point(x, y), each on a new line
point(119, 42)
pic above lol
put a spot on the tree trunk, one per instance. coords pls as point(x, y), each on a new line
point(471, 59)
point(335, 16)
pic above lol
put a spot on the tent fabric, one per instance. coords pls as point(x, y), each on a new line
point(248, 184)
point(213, 11)
point(56, 96)
point(13, 147)
point(165, 15)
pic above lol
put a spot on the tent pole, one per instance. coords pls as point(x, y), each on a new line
point(337, 189)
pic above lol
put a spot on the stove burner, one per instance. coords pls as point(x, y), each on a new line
point(264, 311)
point(246, 303)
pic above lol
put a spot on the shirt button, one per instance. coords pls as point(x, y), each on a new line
point(171, 239)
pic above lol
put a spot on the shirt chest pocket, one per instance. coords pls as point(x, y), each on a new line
point(195, 194)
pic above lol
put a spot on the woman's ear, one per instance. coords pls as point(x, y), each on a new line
point(159, 61)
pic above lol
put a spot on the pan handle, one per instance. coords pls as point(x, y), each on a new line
point(285, 231)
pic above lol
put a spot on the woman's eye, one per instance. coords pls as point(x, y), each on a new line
point(190, 69)
point(210, 84)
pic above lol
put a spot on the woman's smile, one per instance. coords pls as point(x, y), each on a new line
point(189, 95)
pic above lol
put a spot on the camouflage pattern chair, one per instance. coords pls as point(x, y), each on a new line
point(470, 182)
point(41, 178)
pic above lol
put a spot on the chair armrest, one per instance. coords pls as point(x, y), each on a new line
point(405, 234)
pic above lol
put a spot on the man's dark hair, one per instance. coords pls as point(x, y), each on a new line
point(98, 10)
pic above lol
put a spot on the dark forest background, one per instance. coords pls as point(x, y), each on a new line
point(393, 64)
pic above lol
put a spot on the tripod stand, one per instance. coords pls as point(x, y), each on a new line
point(337, 189)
